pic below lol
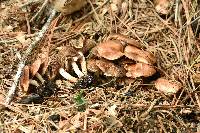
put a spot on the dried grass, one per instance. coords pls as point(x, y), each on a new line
point(135, 107)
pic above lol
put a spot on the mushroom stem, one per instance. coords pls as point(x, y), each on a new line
point(76, 69)
point(67, 76)
point(40, 77)
point(34, 82)
point(83, 63)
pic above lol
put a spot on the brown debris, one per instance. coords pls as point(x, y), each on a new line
point(110, 50)
point(140, 70)
point(167, 86)
point(24, 81)
point(109, 68)
point(139, 55)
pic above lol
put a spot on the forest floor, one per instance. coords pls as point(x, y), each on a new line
point(107, 103)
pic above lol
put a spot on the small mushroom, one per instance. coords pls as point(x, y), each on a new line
point(45, 61)
point(116, 6)
point(140, 70)
point(24, 81)
point(68, 6)
point(163, 6)
point(110, 50)
point(139, 55)
point(110, 69)
point(35, 66)
point(167, 86)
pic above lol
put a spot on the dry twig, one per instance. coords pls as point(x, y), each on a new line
point(21, 64)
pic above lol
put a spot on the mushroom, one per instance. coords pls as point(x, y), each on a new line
point(67, 76)
point(163, 6)
point(35, 66)
point(139, 70)
point(110, 69)
point(91, 65)
point(125, 39)
point(167, 86)
point(116, 6)
point(24, 81)
point(68, 7)
point(80, 73)
point(41, 63)
point(110, 50)
point(139, 55)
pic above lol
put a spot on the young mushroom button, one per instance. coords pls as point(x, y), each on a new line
point(167, 86)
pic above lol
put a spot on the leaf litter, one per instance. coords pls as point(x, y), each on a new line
point(105, 97)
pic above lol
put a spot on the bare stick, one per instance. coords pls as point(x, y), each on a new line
point(21, 64)
point(143, 115)
point(176, 11)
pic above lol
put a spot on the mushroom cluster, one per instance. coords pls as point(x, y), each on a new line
point(120, 56)
point(67, 61)
point(116, 47)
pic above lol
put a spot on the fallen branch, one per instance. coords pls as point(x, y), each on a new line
point(21, 64)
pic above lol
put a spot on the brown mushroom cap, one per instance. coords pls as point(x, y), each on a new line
point(110, 69)
point(91, 65)
point(68, 7)
point(125, 39)
point(162, 6)
point(167, 86)
point(139, 55)
point(24, 80)
point(35, 66)
point(110, 50)
point(139, 70)
point(67, 51)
